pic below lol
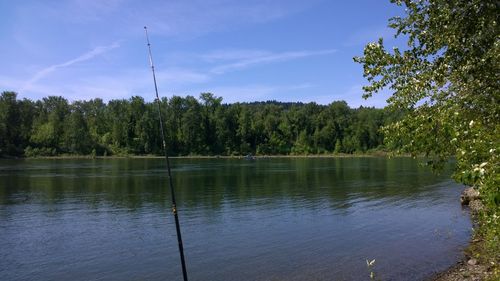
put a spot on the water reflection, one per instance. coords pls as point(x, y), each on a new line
point(209, 182)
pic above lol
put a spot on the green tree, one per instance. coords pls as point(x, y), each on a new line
point(245, 132)
point(210, 105)
point(192, 130)
point(203, 126)
point(98, 124)
point(447, 82)
point(27, 111)
point(338, 146)
point(137, 126)
point(9, 124)
point(148, 130)
point(49, 124)
point(118, 114)
point(77, 139)
point(176, 108)
point(446, 78)
point(303, 144)
point(226, 128)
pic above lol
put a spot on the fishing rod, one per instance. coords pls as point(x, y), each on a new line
point(172, 193)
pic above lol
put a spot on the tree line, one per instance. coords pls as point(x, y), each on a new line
point(204, 126)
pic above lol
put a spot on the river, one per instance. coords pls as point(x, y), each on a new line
point(266, 219)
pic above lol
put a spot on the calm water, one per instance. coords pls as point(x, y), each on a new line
point(269, 219)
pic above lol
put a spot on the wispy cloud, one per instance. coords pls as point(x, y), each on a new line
point(127, 82)
point(261, 58)
point(122, 84)
point(232, 54)
point(84, 57)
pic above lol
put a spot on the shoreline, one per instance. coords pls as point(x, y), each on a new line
point(339, 155)
point(472, 265)
point(467, 268)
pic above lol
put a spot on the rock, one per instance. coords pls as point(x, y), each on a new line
point(472, 262)
point(476, 206)
point(468, 195)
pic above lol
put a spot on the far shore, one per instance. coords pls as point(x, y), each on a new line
point(339, 155)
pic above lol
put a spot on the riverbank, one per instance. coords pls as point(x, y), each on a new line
point(481, 257)
point(151, 156)
point(474, 266)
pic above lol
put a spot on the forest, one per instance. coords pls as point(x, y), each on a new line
point(194, 126)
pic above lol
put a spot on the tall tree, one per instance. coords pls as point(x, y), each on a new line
point(9, 124)
point(192, 130)
point(137, 125)
point(210, 105)
point(27, 112)
point(447, 80)
point(119, 116)
point(77, 139)
point(48, 129)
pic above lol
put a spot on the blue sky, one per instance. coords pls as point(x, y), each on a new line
point(253, 50)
